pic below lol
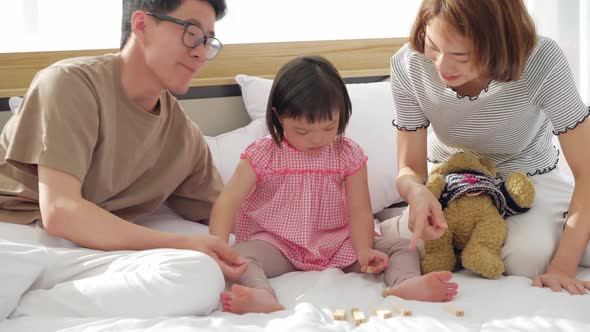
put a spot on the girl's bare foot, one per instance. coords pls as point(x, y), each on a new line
point(241, 300)
point(432, 287)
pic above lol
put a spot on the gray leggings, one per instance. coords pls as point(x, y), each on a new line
point(267, 261)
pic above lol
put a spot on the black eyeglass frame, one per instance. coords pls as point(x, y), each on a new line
point(205, 39)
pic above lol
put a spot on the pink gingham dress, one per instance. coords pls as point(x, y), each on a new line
point(299, 203)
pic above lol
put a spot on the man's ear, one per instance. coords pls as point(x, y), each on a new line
point(139, 24)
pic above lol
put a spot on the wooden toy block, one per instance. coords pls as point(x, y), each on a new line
point(385, 292)
point(454, 311)
point(402, 311)
point(383, 313)
point(339, 314)
point(358, 316)
point(369, 270)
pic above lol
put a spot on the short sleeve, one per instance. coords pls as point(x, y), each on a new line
point(554, 89)
point(408, 114)
point(57, 124)
point(259, 154)
point(352, 157)
point(194, 197)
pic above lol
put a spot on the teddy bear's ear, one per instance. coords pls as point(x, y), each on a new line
point(488, 164)
point(436, 169)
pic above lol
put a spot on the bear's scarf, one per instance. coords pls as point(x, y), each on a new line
point(471, 182)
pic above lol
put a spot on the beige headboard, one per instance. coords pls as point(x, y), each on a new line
point(353, 58)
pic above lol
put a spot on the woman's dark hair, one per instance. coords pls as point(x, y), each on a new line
point(501, 32)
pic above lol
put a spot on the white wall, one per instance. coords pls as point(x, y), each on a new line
point(257, 21)
point(48, 25)
point(568, 23)
point(51, 25)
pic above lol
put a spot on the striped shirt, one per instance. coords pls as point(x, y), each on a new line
point(510, 123)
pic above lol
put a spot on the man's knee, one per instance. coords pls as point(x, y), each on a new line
point(21, 266)
point(195, 282)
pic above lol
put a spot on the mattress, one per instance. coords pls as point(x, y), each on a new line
point(310, 298)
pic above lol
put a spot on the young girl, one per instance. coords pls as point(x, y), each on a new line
point(300, 198)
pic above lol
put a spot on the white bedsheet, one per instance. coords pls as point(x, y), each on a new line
point(507, 304)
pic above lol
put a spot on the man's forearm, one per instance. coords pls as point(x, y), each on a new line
point(88, 225)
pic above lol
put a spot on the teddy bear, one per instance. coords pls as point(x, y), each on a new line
point(475, 206)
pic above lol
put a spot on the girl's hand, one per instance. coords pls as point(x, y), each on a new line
point(426, 220)
point(373, 261)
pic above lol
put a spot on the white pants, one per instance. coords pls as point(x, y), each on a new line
point(37, 278)
point(533, 236)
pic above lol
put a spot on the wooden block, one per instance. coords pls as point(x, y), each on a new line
point(383, 313)
point(370, 270)
point(402, 311)
point(358, 316)
point(339, 314)
point(385, 292)
point(454, 311)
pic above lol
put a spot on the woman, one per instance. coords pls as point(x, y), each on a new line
point(476, 72)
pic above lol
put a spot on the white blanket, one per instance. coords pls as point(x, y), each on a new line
point(509, 303)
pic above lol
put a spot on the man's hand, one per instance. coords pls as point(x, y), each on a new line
point(229, 260)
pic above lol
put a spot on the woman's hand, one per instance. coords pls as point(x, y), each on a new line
point(373, 261)
point(426, 220)
point(557, 281)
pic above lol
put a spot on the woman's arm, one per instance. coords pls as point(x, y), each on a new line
point(561, 272)
point(426, 220)
point(226, 208)
point(411, 160)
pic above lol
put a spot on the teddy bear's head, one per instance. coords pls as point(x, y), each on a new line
point(465, 161)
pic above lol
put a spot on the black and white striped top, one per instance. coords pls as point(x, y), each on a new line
point(510, 123)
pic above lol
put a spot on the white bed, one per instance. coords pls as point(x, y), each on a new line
point(507, 304)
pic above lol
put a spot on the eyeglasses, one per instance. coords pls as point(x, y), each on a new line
point(193, 36)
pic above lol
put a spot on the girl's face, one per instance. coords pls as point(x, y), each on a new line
point(310, 137)
point(450, 53)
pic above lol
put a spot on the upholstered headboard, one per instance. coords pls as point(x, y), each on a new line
point(213, 100)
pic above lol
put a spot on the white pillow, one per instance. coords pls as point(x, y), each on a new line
point(370, 126)
point(227, 147)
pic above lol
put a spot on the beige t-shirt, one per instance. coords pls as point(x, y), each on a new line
point(76, 118)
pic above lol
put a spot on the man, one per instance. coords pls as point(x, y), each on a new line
point(97, 143)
